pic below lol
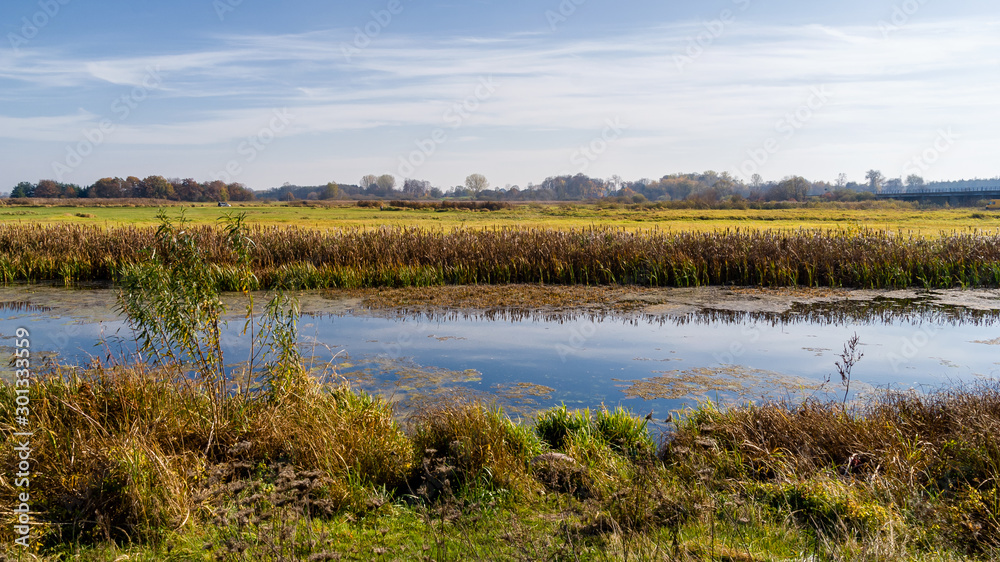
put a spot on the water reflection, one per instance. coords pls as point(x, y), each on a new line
point(643, 357)
point(879, 310)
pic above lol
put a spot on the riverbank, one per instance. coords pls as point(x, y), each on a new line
point(136, 463)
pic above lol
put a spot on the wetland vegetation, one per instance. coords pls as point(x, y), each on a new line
point(385, 256)
point(183, 458)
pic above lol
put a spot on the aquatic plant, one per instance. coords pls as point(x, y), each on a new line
point(397, 257)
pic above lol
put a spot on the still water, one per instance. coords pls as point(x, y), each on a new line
point(526, 360)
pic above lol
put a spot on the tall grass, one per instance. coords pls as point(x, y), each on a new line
point(925, 467)
point(397, 257)
point(133, 458)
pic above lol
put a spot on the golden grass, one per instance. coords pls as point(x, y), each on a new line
point(401, 257)
point(323, 215)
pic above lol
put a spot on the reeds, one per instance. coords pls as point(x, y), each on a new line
point(135, 457)
point(400, 257)
point(930, 463)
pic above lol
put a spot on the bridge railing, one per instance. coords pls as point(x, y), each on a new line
point(993, 191)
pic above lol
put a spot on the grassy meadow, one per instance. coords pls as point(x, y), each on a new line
point(321, 215)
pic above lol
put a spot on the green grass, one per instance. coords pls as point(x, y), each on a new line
point(135, 462)
point(888, 216)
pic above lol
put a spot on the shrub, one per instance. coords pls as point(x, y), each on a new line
point(481, 443)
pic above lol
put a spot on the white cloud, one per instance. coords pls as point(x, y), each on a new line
point(724, 101)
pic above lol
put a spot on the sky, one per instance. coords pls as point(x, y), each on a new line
point(309, 91)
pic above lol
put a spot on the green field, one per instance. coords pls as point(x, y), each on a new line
point(886, 216)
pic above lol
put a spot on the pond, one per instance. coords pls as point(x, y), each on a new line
point(667, 350)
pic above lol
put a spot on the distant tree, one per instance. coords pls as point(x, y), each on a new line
point(756, 181)
point(794, 188)
point(894, 184)
point(841, 180)
point(215, 191)
point(476, 183)
point(436, 193)
point(48, 189)
point(189, 190)
point(71, 191)
point(416, 188)
point(239, 192)
point(875, 179)
point(386, 184)
point(132, 187)
point(107, 188)
point(915, 182)
point(331, 191)
point(368, 181)
point(615, 183)
point(157, 187)
point(23, 189)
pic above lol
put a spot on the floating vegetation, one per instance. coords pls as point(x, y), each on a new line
point(411, 386)
point(734, 381)
point(22, 306)
point(522, 397)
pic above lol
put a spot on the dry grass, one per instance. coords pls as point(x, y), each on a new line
point(400, 257)
point(132, 457)
point(929, 464)
point(124, 450)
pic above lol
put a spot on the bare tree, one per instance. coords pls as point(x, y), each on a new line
point(875, 179)
point(368, 180)
point(476, 183)
point(416, 188)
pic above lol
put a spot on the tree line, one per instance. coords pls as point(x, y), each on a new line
point(152, 187)
point(705, 187)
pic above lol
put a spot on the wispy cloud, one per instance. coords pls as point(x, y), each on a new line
point(924, 76)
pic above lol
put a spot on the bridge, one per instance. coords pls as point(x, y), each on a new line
point(954, 197)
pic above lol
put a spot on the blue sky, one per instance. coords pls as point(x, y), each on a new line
point(308, 92)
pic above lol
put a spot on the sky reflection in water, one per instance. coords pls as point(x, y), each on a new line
point(533, 361)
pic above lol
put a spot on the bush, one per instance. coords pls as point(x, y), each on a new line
point(555, 425)
point(481, 444)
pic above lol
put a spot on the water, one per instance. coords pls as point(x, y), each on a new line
point(528, 360)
